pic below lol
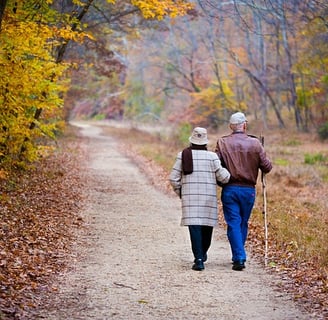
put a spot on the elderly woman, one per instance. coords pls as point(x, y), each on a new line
point(194, 179)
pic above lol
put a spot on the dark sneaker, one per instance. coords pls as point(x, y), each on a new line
point(238, 265)
point(198, 265)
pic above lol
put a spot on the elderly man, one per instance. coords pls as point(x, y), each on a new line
point(243, 156)
point(194, 178)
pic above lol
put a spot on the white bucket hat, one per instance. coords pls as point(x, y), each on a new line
point(199, 136)
point(238, 118)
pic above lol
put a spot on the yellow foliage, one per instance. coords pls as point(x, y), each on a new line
point(213, 95)
point(3, 174)
point(159, 8)
point(311, 66)
point(31, 81)
point(208, 104)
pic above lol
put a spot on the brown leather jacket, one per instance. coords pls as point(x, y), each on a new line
point(243, 156)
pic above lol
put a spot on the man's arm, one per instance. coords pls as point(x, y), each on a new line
point(265, 163)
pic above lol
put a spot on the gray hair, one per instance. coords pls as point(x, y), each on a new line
point(237, 127)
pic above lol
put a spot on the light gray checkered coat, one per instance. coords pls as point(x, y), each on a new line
point(198, 190)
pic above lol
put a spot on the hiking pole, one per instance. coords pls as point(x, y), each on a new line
point(264, 212)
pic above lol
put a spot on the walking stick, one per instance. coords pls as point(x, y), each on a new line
point(264, 212)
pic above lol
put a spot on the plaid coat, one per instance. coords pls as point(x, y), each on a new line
point(198, 190)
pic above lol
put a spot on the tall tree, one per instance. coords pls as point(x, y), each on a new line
point(34, 38)
point(245, 53)
point(2, 9)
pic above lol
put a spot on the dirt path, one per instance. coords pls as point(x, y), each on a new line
point(135, 260)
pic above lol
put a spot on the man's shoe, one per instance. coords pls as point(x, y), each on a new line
point(198, 265)
point(238, 265)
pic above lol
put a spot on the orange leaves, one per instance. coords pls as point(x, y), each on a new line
point(305, 279)
point(38, 217)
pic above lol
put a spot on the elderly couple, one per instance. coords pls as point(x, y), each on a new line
point(195, 175)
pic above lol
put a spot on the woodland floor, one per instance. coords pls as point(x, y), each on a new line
point(117, 251)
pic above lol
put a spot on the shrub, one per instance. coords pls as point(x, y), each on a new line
point(99, 116)
point(314, 158)
point(184, 132)
point(323, 131)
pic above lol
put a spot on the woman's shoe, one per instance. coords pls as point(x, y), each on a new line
point(198, 265)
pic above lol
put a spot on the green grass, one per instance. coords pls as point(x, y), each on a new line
point(160, 155)
point(316, 158)
point(323, 170)
point(281, 162)
point(292, 143)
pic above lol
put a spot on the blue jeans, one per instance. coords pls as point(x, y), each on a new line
point(237, 204)
point(200, 237)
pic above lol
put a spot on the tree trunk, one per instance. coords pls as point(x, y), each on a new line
point(289, 73)
point(59, 59)
point(3, 4)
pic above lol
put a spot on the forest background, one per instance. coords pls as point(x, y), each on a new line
point(175, 64)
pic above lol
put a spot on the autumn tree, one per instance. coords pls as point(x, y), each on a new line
point(34, 39)
point(252, 49)
point(267, 49)
point(2, 9)
point(311, 66)
point(31, 79)
point(113, 25)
